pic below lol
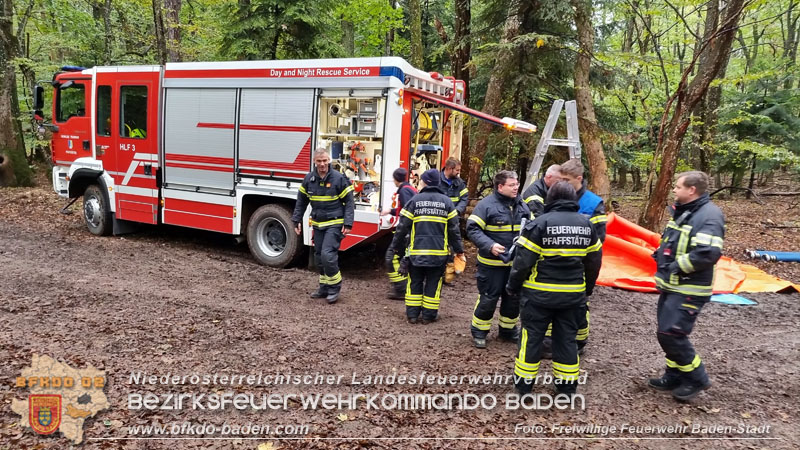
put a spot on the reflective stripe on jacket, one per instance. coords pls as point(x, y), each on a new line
point(558, 258)
point(432, 221)
point(331, 199)
point(690, 247)
point(495, 219)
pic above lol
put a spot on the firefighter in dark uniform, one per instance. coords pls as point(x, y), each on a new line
point(492, 227)
point(536, 193)
point(332, 213)
point(557, 263)
point(690, 247)
point(455, 188)
point(405, 191)
point(590, 205)
point(432, 221)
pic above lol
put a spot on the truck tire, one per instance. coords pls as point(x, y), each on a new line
point(96, 212)
point(271, 236)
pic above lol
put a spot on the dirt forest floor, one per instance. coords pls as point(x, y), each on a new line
point(180, 302)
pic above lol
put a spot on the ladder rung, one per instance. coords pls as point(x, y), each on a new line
point(562, 142)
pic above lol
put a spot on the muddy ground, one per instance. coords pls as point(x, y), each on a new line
point(175, 301)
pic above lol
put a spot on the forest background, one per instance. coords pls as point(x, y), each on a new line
point(662, 86)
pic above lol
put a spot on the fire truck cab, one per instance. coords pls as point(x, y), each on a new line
point(224, 146)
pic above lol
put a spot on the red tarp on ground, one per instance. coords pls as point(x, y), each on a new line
point(627, 264)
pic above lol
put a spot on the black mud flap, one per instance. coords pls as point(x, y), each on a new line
point(123, 226)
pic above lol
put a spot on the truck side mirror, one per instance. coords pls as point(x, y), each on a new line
point(38, 98)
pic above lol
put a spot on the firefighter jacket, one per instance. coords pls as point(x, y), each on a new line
point(404, 193)
point(432, 221)
point(690, 247)
point(591, 205)
point(495, 219)
point(558, 258)
point(331, 199)
point(534, 196)
point(457, 191)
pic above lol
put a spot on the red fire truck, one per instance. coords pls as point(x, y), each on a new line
point(223, 146)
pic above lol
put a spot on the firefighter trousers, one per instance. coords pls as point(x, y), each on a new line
point(326, 251)
point(677, 314)
point(491, 289)
point(423, 291)
point(398, 279)
point(583, 331)
point(566, 363)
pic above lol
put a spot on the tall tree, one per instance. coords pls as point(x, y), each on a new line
point(173, 31)
point(415, 25)
point(587, 121)
point(160, 29)
point(494, 97)
point(14, 168)
point(460, 56)
point(712, 54)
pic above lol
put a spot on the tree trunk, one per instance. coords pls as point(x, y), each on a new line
point(587, 121)
point(161, 37)
point(702, 112)
point(491, 103)
point(348, 38)
point(623, 177)
point(107, 34)
point(415, 26)
point(752, 177)
point(712, 56)
point(637, 180)
point(173, 30)
point(461, 54)
point(14, 170)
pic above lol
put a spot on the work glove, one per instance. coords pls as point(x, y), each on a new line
point(511, 293)
point(403, 269)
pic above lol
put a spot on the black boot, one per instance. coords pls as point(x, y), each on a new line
point(689, 389)
point(478, 337)
point(510, 335)
point(321, 292)
point(398, 291)
point(568, 388)
point(333, 293)
point(669, 381)
point(691, 384)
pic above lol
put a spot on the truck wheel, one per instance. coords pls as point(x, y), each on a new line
point(96, 212)
point(271, 236)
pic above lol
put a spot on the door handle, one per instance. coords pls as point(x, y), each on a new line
point(86, 145)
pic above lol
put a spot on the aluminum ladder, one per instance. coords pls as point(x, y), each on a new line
point(572, 141)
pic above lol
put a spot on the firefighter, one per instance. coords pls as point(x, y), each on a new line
point(492, 227)
point(332, 213)
point(432, 221)
point(405, 191)
point(557, 263)
point(590, 205)
point(535, 194)
point(690, 247)
point(455, 188)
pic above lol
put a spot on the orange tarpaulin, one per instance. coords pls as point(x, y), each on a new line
point(627, 264)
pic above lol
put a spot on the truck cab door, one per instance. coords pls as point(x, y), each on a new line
point(136, 133)
point(73, 138)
